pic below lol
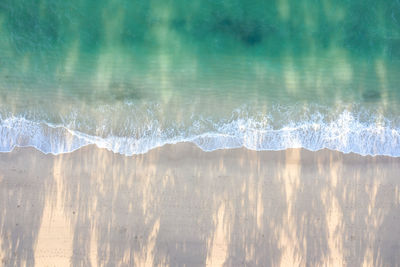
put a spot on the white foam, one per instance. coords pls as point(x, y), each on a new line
point(345, 132)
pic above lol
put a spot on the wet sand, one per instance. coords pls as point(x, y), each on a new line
point(178, 205)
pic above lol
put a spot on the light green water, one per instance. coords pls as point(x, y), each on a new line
point(133, 75)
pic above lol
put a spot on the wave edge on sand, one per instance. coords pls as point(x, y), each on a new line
point(346, 133)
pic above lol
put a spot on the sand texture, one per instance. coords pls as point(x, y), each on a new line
point(180, 206)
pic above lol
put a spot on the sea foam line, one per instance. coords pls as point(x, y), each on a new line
point(345, 133)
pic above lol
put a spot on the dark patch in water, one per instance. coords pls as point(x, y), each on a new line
point(248, 32)
point(121, 91)
point(251, 36)
point(225, 24)
point(371, 95)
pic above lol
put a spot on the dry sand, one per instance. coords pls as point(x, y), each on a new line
point(178, 205)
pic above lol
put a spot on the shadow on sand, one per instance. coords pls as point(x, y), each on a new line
point(181, 206)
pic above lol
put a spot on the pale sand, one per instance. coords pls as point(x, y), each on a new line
point(178, 205)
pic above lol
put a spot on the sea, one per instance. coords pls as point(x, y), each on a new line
point(130, 76)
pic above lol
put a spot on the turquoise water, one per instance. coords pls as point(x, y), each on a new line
point(267, 75)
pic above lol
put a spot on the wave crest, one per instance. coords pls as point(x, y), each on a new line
point(344, 132)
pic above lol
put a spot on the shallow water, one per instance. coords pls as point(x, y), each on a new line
point(133, 75)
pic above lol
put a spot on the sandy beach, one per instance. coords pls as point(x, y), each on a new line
point(180, 206)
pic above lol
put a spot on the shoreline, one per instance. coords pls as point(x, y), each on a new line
point(344, 131)
point(189, 143)
point(177, 205)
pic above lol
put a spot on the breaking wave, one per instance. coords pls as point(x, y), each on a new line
point(344, 132)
